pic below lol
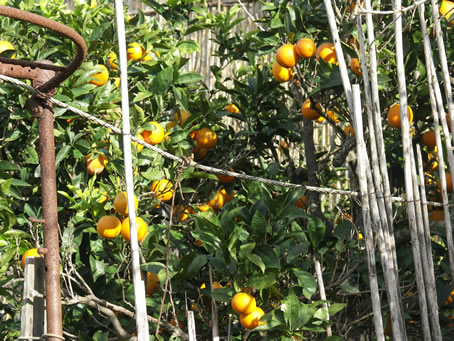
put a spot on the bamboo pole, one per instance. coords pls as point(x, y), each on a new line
point(410, 176)
point(363, 165)
point(321, 286)
point(214, 310)
point(139, 287)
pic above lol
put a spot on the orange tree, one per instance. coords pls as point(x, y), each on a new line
point(253, 237)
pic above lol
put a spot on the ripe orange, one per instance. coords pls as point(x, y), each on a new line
point(184, 214)
point(100, 78)
point(232, 108)
point(448, 183)
point(354, 43)
point(96, 166)
point(220, 199)
point(308, 112)
point(152, 55)
point(205, 208)
point(29, 253)
point(332, 115)
point(135, 51)
point(226, 179)
point(281, 74)
point(154, 136)
point(428, 138)
point(7, 46)
point(302, 202)
point(305, 48)
point(121, 203)
point(111, 61)
point(286, 56)
point(139, 147)
point(447, 10)
point(109, 226)
point(162, 189)
point(243, 303)
point(206, 138)
point(199, 153)
point(252, 320)
point(181, 118)
point(153, 284)
point(394, 115)
point(141, 226)
point(355, 67)
point(327, 53)
point(349, 131)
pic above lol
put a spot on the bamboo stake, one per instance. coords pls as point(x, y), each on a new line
point(214, 310)
point(139, 287)
point(363, 165)
point(321, 286)
point(410, 177)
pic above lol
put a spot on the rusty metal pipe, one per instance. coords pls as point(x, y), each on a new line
point(43, 110)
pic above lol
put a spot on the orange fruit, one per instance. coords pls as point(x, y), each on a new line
point(96, 166)
point(394, 115)
point(226, 179)
point(29, 253)
point(205, 208)
point(7, 46)
point(243, 303)
point(355, 67)
point(448, 183)
point(154, 136)
point(349, 131)
point(173, 323)
point(182, 117)
point(141, 226)
point(232, 108)
point(281, 74)
point(139, 147)
point(109, 226)
point(447, 10)
point(162, 189)
point(100, 78)
point(152, 55)
point(327, 53)
point(252, 320)
point(184, 215)
point(135, 51)
point(308, 112)
point(302, 202)
point(437, 215)
point(206, 138)
point(286, 56)
point(354, 43)
point(220, 199)
point(428, 138)
point(153, 284)
point(199, 153)
point(332, 115)
point(305, 48)
point(193, 134)
point(111, 61)
point(199, 243)
point(121, 203)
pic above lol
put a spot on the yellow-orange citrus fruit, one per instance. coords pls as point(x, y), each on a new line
point(282, 74)
point(170, 125)
point(305, 48)
point(327, 53)
point(354, 43)
point(111, 61)
point(226, 179)
point(286, 56)
point(332, 115)
point(428, 138)
point(162, 189)
point(252, 320)
point(100, 78)
point(349, 131)
point(356, 67)
point(308, 112)
point(394, 115)
point(138, 146)
point(7, 46)
point(116, 81)
point(432, 161)
point(29, 253)
point(153, 284)
point(448, 183)
point(302, 202)
point(141, 227)
point(96, 166)
point(154, 136)
point(152, 55)
point(199, 153)
point(135, 51)
point(447, 10)
point(243, 303)
point(184, 215)
point(193, 134)
point(109, 226)
point(121, 203)
point(199, 243)
point(220, 199)
point(206, 138)
point(181, 117)
point(232, 108)
point(204, 208)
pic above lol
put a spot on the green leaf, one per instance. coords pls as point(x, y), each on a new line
point(181, 98)
point(8, 166)
point(188, 78)
point(257, 261)
point(321, 314)
point(307, 282)
point(258, 222)
point(162, 81)
point(61, 155)
point(269, 257)
point(333, 338)
point(197, 263)
point(188, 46)
point(296, 313)
point(246, 249)
point(262, 281)
point(5, 185)
point(317, 231)
point(222, 294)
point(335, 308)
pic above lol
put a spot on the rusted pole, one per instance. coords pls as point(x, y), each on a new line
point(43, 110)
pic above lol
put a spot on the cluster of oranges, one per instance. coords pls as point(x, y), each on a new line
point(245, 305)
